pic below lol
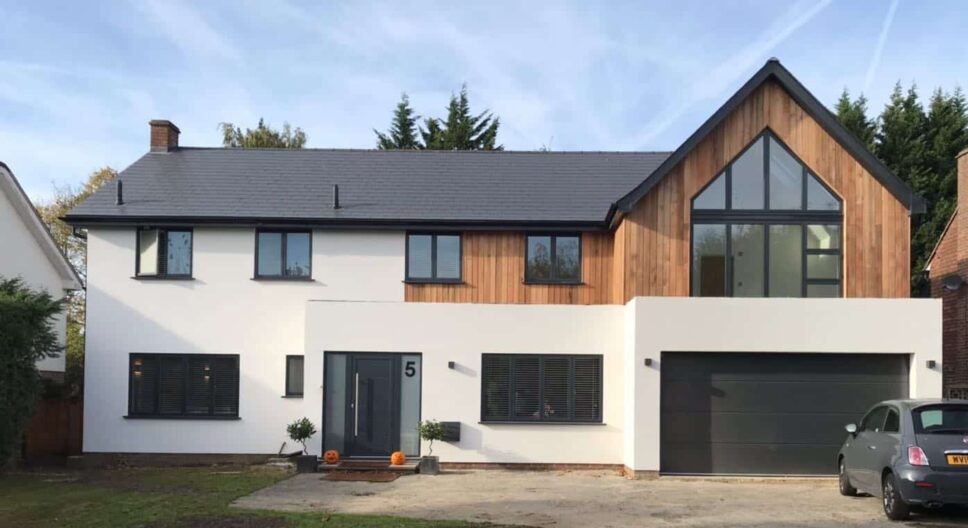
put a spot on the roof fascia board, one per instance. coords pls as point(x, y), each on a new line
point(31, 218)
point(316, 223)
point(773, 69)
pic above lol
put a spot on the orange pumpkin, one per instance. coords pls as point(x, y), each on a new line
point(331, 457)
point(398, 458)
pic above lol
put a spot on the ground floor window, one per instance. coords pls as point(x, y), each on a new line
point(294, 375)
point(541, 388)
point(183, 385)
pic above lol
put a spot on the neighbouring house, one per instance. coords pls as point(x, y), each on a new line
point(29, 252)
point(724, 308)
point(947, 268)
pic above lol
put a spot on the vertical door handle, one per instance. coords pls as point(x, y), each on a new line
point(356, 407)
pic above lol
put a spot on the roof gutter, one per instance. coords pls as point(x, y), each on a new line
point(338, 223)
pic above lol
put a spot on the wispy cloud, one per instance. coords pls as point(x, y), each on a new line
point(714, 83)
point(79, 84)
point(879, 50)
point(185, 28)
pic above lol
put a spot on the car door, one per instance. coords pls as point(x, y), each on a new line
point(887, 443)
point(862, 452)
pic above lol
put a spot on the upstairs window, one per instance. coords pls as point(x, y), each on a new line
point(164, 253)
point(283, 255)
point(433, 257)
point(183, 385)
point(541, 388)
point(552, 259)
point(766, 227)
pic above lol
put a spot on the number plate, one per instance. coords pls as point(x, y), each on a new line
point(958, 460)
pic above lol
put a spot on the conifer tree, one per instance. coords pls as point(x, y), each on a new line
point(403, 129)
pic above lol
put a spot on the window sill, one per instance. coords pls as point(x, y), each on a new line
point(284, 279)
point(552, 283)
point(181, 417)
point(293, 396)
point(536, 422)
point(162, 278)
point(433, 281)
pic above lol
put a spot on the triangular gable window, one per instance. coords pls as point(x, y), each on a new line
point(766, 177)
point(766, 227)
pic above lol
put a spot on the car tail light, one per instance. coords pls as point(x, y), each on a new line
point(916, 456)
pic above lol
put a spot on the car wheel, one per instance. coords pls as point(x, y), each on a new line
point(894, 506)
point(845, 488)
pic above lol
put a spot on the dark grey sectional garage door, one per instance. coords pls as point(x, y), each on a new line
point(768, 413)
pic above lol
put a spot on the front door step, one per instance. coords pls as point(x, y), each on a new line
point(375, 465)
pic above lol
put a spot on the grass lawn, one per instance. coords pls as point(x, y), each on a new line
point(192, 497)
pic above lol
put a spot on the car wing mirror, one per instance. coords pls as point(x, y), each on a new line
point(851, 428)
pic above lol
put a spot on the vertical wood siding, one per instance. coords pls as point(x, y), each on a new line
point(655, 235)
point(493, 272)
point(648, 254)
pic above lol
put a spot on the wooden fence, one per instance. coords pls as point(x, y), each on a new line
point(55, 429)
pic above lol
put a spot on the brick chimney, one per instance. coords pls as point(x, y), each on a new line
point(164, 135)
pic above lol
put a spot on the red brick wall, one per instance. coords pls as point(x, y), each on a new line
point(944, 263)
point(950, 258)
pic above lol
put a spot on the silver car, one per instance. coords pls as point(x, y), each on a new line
point(909, 453)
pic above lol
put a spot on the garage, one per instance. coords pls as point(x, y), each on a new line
point(765, 413)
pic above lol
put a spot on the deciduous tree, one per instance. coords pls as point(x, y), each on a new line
point(262, 136)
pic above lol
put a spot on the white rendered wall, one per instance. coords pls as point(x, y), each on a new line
point(683, 324)
point(21, 256)
point(222, 311)
point(461, 333)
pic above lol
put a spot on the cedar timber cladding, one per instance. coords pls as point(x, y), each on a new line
point(647, 254)
point(493, 272)
point(654, 236)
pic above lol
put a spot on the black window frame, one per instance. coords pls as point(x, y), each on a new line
point(162, 264)
point(554, 258)
point(289, 392)
point(433, 279)
point(283, 248)
point(184, 415)
point(541, 419)
point(767, 217)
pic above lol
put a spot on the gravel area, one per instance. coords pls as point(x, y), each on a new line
point(589, 498)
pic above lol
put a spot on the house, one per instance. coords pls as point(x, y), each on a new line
point(31, 254)
point(947, 268)
point(724, 308)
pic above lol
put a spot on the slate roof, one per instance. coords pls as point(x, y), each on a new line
point(239, 185)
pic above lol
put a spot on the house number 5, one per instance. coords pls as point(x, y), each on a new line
point(410, 369)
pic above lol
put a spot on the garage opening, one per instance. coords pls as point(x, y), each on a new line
point(766, 413)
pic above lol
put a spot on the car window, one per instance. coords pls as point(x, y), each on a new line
point(941, 419)
point(893, 422)
point(874, 421)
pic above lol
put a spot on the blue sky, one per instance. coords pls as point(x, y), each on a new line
point(78, 84)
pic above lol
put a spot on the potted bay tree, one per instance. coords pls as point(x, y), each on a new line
point(430, 430)
point(300, 431)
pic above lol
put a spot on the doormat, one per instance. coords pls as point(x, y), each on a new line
point(362, 476)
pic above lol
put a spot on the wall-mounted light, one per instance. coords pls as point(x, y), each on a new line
point(931, 363)
point(952, 282)
point(648, 362)
point(451, 365)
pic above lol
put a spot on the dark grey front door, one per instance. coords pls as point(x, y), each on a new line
point(738, 413)
point(373, 405)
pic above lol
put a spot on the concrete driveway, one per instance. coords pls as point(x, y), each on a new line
point(588, 498)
